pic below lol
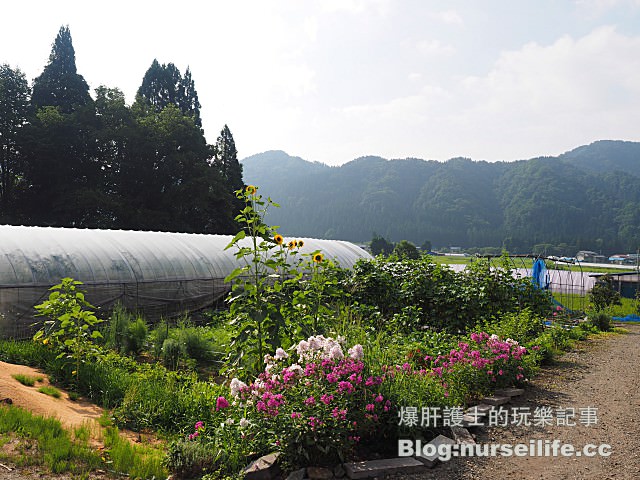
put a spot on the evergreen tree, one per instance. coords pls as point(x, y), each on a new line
point(62, 174)
point(380, 245)
point(14, 104)
point(190, 103)
point(163, 85)
point(226, 159)
point(406, 249)
point(60, 85)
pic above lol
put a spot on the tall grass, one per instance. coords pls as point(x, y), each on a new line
point(55, 449)
point(136, 461)
point(27, 380)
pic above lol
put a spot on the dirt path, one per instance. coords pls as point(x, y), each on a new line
point(602, 373)
point(71, 414)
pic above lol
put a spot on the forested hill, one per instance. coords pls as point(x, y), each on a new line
point(588, 198)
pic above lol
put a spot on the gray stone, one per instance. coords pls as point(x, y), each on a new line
point(431, 460)
point(297, 474)
point(264, 468)
point(379, 468)
point(495, 400)
point(509, 392)
point(481, 410)
point(472, 421)
point(462, 435)
point(319, 473)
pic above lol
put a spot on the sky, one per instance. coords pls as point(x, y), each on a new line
point(334, 80)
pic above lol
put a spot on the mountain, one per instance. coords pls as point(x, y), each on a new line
point(588, 198)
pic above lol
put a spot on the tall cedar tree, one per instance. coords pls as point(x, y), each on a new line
point(163, 85)
point(14, 105)
point(60, 85)
point(226, 159)
point(63, 174)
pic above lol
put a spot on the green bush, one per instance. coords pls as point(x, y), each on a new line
point(115, 330)
point(601, 321)
point(136, 336)
point(194, 342)
point(520, 326)
point(171, 352)
point(158, 336)
point(188, 459)
point(167, 401)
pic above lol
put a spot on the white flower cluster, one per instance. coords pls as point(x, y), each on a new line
point(236, 386)
point(319, 347)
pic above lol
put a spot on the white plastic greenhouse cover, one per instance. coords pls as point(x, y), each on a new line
point(156, 273)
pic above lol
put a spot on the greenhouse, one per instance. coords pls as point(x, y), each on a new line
point(155, 273)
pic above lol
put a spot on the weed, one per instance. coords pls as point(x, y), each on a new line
point(51, 391)
point(27, 380)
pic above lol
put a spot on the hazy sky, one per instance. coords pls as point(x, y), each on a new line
point(334, 80)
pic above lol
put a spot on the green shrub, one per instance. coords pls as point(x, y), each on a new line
point(167, 401)
point(115, 330)
point(171, 352)
point(136, 336)
point(158, 336)
point(601, 321)
point(520, 326)
point(188, 459)
point(106, 380)
point(194, 343)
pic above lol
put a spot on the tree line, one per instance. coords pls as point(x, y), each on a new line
point(558, 205)
point(69, 159)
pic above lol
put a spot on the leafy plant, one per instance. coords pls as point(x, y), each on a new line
point(136, 336)
point(601, 321)
point(171, 351)
point(603, 294)
point(69, 328)
point(258, 284)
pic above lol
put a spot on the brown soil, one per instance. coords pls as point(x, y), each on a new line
point(601, 373)
point(70, 413)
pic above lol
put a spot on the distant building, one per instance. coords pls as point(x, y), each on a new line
point(626, 284)
point(590, 257)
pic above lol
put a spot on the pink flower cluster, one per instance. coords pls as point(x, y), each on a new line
point(197, 427)
point(325, 388)
point(484, 352)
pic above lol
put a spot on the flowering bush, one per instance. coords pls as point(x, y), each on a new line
point(474, 368)
point(315, 408)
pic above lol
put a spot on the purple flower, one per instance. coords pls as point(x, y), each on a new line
point(326, 399)
point(221, 403)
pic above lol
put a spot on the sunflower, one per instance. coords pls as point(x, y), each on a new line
point(278, 239)
point(318, 258)
point(292, 244)
point(300, 244)
point(251, 189)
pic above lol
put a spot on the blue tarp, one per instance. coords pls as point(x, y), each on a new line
point(628, 318)
point(539, 274)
